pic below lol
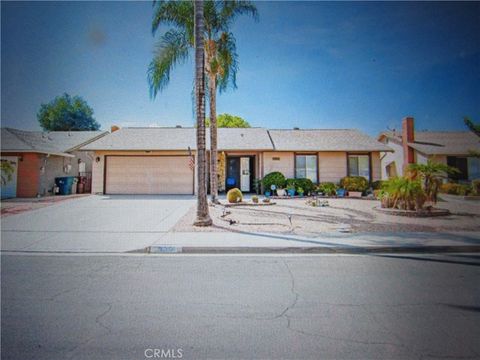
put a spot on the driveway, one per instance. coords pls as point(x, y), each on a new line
point(94, 224)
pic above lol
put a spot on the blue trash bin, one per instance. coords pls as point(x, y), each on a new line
point(64, 184)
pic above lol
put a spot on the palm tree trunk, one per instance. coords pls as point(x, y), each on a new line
point(213, 140)
point(203, 218)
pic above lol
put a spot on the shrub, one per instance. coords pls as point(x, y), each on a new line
point(402, 193)
point(377, 185)
point(274, 178)
point(306, 184)
point(234, 195)
point(476, 187)
point(455, 189)
point(354, 183)
point(327, 188)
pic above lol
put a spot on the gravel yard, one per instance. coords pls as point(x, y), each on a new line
point(294, 216)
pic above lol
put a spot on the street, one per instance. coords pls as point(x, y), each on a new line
point(219, 306)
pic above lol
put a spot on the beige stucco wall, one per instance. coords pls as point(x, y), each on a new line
point(332, 166)
point(285, 164)
point(98, 167)
point(395, 157)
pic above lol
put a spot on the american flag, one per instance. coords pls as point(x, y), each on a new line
point(191, 160)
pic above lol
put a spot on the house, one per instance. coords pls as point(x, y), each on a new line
point(39, 157)
point(448, 147)
point(159, 160)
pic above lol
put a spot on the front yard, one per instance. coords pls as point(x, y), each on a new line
point(294, 216)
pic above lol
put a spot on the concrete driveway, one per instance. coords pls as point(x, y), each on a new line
point(94, 224)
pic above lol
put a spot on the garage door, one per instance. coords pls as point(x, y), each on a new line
point(148, 175)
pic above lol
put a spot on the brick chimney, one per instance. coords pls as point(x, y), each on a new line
point(408, 136)
point(114, 128)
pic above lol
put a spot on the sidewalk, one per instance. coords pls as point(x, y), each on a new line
point(242, 242)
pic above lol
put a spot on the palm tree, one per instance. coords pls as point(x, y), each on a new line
point(220, 53)
point(203, 218)
point(431, 174)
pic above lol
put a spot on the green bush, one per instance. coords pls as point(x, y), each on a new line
point(354, 183)
point(234, 195)
point(476, 187)
point(274, 178)
point(377, 185)
point(402, 193)
point(327, 188)
point(306, 184)
point(455, 189)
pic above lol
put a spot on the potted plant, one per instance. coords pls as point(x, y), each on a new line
point(291, 190)
point(255, 199)
point(268, 193)
point(355, 185)
point(300, 191)
point(280, 191)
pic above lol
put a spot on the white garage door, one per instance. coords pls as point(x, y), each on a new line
point(148, 175)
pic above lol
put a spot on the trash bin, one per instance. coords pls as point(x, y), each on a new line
point(65, 184)
point(82, 181)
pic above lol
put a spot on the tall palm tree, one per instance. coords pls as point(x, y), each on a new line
point(203, 218)
point(220, 53)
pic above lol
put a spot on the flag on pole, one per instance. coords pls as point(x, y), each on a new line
point(191, 160)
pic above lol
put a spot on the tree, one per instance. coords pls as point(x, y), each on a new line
point(475, 128)
point(203, 218)
point(66, 113)
point(220, 53)
point(6, 170)
point(230, 121)
point(431, 175)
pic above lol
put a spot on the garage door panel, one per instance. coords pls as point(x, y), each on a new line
point(148, 175)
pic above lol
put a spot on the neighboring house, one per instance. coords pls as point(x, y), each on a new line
point(39, 157)
point(448, 147)
point(159, 160)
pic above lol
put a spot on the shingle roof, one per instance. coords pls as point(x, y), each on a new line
point(325, 140)
point(238, 139)
point(157, 138)
point(54, 142)
point(442, 142)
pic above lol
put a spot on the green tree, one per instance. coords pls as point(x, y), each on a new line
point(230, 121)
point(475, 128)
point(6, 170)
point(66, 113)
point(431, 175)
point(220, 63)
point(203, 217)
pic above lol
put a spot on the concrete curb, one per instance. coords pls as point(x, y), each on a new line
point(308, 250)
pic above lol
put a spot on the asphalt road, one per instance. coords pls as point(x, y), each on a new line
point(194, 307)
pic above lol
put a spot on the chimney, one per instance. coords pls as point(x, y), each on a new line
point(114, 128)
point(408, 136)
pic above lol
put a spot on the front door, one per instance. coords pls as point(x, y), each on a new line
point(245, 174)
point(233, 173)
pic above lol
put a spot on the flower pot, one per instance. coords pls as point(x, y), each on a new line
point(291, 192)
point(300, 194)
point(281, 192)
point(355, 194)
point(267, 193)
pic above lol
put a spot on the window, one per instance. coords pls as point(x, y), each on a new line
point(306, 167)
point(359, 165)
point(473, 168)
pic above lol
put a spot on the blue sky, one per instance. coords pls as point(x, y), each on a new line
point(308, 64)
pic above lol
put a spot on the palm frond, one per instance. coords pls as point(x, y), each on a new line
point(172, 49)
point(227, 58)
point(176, 13)
point(230, 9)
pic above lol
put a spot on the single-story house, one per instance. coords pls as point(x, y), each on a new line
point(159, 160)
point(453, 148)
point(39, 157)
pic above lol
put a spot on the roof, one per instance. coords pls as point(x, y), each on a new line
point(161, 138)
point(325, 140)
point(53, 142)
point(441, 142)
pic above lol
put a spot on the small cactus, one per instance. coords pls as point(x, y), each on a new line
point(234, 195)
point(255, 199)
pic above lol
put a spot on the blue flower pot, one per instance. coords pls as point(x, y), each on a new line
point(291, 192)
point(267, 193)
